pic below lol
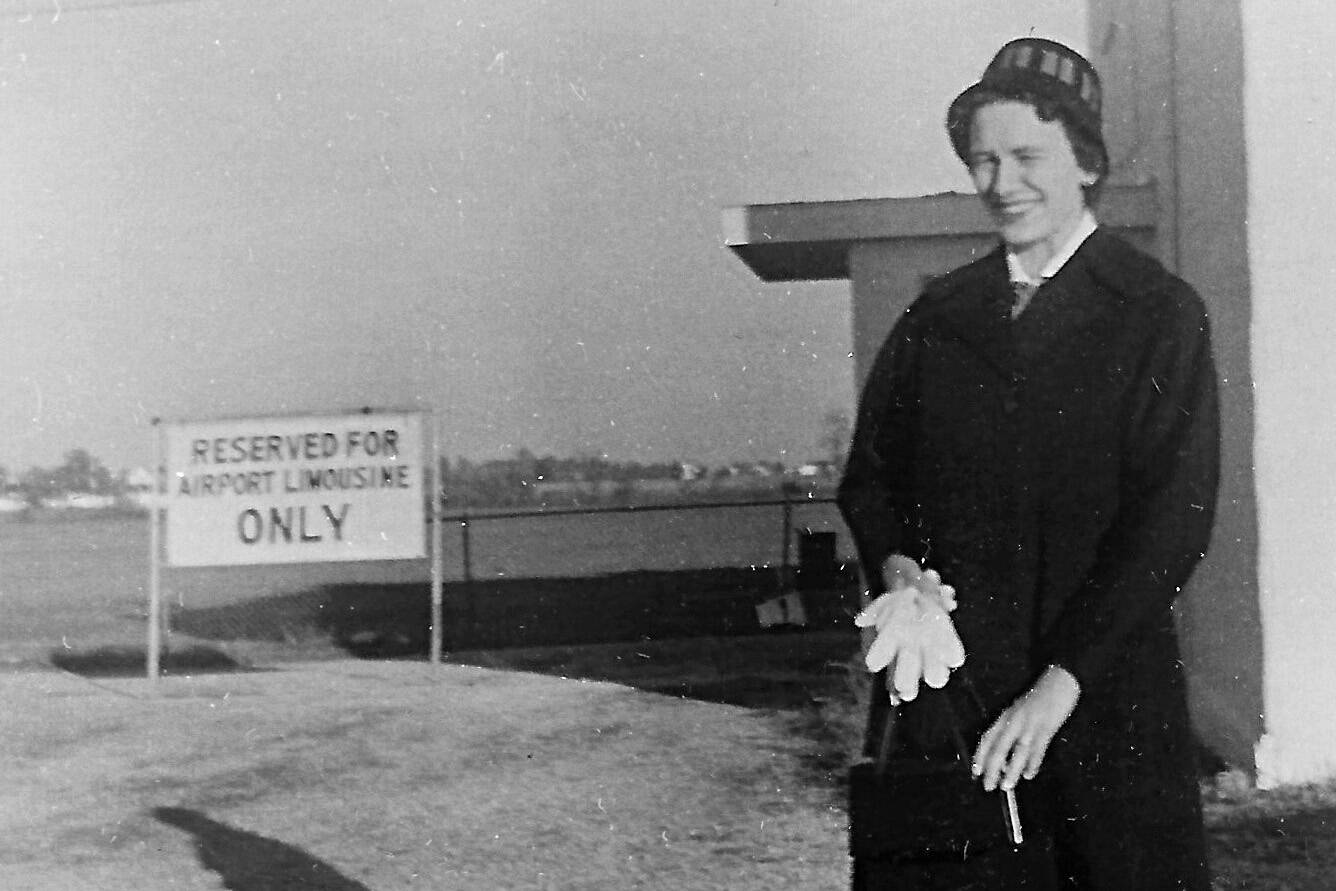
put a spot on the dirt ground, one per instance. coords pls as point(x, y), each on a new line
point(503, 772)
point(343, 775)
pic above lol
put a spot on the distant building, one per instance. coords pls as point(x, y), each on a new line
point(78, 501)
point(687, 471)
point(139, 484)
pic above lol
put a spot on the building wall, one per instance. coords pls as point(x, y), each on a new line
point(1289, 84)
point(885, 277)
point(1173, 81)
point(1228, 108)
point(1210, 243)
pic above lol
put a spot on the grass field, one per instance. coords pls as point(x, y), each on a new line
point(347, 775)
point(702, 762)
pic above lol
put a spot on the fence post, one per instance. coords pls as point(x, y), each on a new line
point(464, 544)
point(470, 618)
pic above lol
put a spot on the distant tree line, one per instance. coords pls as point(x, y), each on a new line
point(528, 479)
point(79, 473)
point(525, 479)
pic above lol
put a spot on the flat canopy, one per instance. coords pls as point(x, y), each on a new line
point(809, 241)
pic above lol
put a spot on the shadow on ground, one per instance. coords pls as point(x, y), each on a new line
point(777, 670)
point(245, 861)
point(123, 662)
point(393, 620)
point(691, 633)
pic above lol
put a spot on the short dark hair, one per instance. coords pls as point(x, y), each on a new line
point(1089, 151)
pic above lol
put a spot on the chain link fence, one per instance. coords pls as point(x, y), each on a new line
point(73, 586)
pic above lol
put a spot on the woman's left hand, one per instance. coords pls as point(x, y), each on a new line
point(1015, 745)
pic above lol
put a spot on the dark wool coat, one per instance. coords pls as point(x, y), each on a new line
point(1060, 471)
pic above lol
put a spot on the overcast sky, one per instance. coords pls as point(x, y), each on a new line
point(507, 211)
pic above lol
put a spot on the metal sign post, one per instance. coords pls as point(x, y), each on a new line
point(437, 488)
point(154, 561)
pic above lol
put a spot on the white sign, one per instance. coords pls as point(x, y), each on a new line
point(296, 489)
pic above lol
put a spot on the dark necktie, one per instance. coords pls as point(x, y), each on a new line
point(1023, 292)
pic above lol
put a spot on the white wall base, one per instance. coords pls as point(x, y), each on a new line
point(1299, 761)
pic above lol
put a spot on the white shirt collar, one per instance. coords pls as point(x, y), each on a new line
point(1084, 228)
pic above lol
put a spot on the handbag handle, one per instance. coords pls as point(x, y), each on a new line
point(886, 746)
point(1010, 812)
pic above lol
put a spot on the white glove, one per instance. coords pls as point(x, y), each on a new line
point(913, 629)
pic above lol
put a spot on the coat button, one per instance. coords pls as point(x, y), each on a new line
point(1011, 393)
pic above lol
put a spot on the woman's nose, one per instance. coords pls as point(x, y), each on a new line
point(1005, 178)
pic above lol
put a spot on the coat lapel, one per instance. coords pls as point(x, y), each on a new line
point(975, 314)
point(1065, 311)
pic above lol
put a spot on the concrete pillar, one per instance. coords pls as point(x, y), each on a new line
point(1289, 85)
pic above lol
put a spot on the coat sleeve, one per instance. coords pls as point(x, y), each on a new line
point(874, 494)
point(1167, 491)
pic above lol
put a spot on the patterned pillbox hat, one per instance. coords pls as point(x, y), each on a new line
point(1030, 69)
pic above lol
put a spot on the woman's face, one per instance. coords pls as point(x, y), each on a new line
point(1028, 177)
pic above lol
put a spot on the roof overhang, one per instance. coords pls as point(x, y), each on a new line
point(810, 241)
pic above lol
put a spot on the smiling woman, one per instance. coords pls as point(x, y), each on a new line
point(1029, 178)
point(1040, 429)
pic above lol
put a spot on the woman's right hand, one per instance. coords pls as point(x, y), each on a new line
point(915, 639)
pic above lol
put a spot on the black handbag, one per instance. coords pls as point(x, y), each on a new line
point(907, 807)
